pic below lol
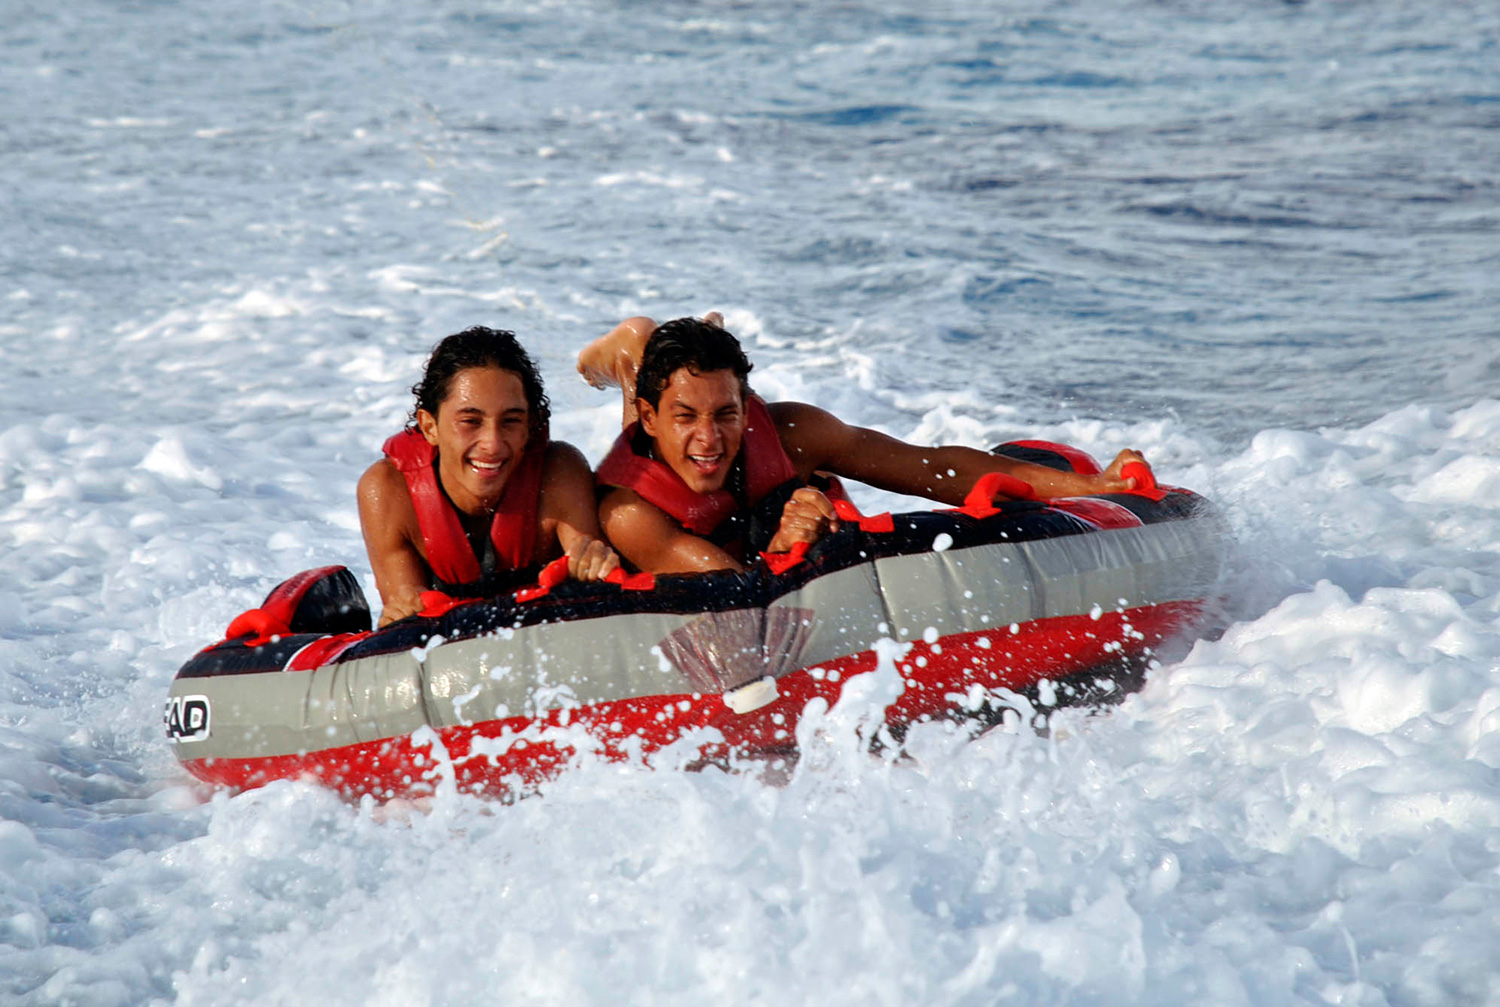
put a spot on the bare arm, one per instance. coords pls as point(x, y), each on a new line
point(817, 440)
point(649, 538)
point(568, 514)
point(612, 360)
point(388, 521)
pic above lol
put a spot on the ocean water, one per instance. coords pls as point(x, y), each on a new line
point(1258, 241)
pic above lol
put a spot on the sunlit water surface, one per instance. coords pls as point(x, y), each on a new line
point(1259, 241)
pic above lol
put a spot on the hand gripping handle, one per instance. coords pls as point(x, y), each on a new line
point(1145, 480)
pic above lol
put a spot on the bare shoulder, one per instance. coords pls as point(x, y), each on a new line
point(386, 511)
point(634, 524)
point(619, 503)
point(797, 412)
point(383, 486)
point(563, 460)
point(567, 492)
point(798, 421)
point(810, 436)
point(567, 480)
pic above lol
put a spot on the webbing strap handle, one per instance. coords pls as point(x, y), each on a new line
point(550, 576)
point(873, 523)
point(980, 502)
point(436, 603)
point(780, 562)
point(1145, 480)
point(258, 626)
point(643, 581)
point(556, 572)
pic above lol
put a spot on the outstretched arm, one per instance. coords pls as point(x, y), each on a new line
point(817, 440)
point(612, 360)
point(387, 520)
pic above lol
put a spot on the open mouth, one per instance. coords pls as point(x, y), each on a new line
point(486, 470)
point(706, 464)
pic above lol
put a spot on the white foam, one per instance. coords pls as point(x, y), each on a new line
point(169, 458)
point(1303, 810)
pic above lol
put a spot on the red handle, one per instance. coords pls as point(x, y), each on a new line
point(436, 603)
point(875, 523)
point(556, 572)
point(1145, 480)
point(981, 499)
point(780, 562)
point(630, 581)
point(551, 575)
point(257, 624)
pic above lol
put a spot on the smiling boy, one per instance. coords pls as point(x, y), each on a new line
point(473, 496)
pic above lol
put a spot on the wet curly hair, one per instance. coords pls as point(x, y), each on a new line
point(692, 343)
point(479, 346)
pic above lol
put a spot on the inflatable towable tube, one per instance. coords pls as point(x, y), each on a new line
point(497, 695)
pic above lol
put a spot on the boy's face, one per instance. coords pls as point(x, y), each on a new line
point(480, 430)
point(698, 425)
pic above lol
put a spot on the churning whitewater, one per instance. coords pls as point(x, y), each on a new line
point(1259, 244)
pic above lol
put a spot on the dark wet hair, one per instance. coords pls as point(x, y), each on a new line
point(692, 343)
point(480, 347)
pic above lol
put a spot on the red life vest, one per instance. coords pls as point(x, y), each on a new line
point(513, 531)
point(766, 468)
